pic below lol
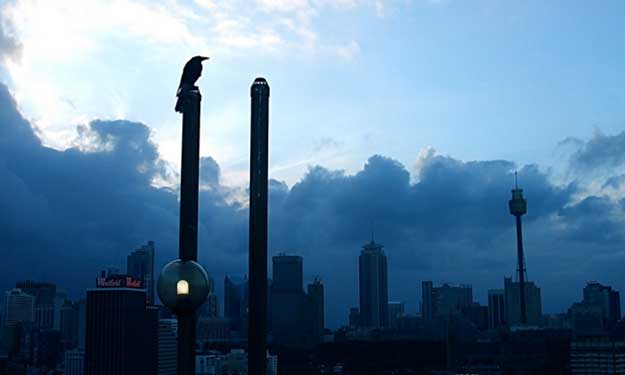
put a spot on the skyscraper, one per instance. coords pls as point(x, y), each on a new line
point(445, 300)
point(18, 308)
point(140, 265)
point(496, 306)
point(167, 341)
point(605, 298)
point(373, 286)
point(315, 311)
point(533, 304)
point(235, 302)
point(395, 311)
point(122, 333)
point(287, 300)
point(44, 304)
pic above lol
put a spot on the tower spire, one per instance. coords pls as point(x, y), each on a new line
point(518, 208)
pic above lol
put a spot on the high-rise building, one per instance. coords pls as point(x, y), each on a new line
point(445, 300)
point(395, 311)
point(167, 346)
point(373, 286)
point(496, 306)
point(315, 311)
point(354, 317)
point(597, 355)
point(82, 323)
point(288, 300)
point(44, 306)
point(210, 308)
point(18, 308)
point(605, 298)
point(235, 302)
point(122, 332)
point(587, 319)
point(533, 304)
point(74, 362)
point(140, 265)
point(69, 324)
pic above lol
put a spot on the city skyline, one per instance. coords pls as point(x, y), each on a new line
point(75, 207)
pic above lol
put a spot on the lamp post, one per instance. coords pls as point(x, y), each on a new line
point(183, 285)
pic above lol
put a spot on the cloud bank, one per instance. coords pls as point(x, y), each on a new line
point(66, 214)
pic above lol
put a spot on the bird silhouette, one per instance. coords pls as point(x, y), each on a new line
point(191, 72)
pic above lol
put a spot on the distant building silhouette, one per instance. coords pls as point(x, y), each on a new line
point(604, 297)
point(235, 303)
point(140, 265)
point(395, 311)
point(496, 308)
point(445, 300)
point(288, 300)
point(167, 346)
point(354, 317)
point(44, 304)
point(122, 332)
point(315, 311)
point(373, 286)
point(75, 362)
point(18, 308)
point(533, 304)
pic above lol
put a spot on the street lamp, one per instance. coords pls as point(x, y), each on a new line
point(182, 286)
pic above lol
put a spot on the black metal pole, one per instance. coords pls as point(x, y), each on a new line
point(189, 186)
point(259, 152)
point(521, 261)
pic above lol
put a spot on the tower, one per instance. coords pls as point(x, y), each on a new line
point(518, 208)
point(373, 286)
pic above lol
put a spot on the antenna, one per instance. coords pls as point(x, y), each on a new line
point(516, 181)
point(372, 231)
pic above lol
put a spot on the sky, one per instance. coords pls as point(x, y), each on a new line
point(412, 115)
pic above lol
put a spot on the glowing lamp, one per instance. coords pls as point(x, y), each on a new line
point(182, 286)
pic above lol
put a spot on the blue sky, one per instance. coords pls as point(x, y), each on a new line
point(427, 106)
point(480, 79)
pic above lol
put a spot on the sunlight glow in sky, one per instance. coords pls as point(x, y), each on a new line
point(349, 78)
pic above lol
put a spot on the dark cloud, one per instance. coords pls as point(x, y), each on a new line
point(601, 151)
point(66, 214)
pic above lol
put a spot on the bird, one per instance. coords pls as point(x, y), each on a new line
point(190, 73)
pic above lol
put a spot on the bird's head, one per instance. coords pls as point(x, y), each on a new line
point(199, 58)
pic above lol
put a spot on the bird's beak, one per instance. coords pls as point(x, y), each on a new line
point(205, 58)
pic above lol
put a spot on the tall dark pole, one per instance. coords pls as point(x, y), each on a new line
point(259, 154)
point(518, 208)
point(189, 184)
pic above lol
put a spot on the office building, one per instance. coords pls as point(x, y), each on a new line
point(236, 302)
point(44, 303)
point(234, 362)
point(122, 332)
point(598, 355)
point(587, 319)
point(496, 308)
point(18, 308)
point(74, 362)
point(69, 324)
point(373, 286)
point(288, 300)
point(315, 311)
point(395, 311)
point(445, 301)
point(533, 304)
point(604, 297)
point(167, 346)
point(140, 265)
